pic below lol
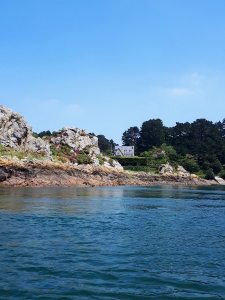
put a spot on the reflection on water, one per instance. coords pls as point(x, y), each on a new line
point(160, 242)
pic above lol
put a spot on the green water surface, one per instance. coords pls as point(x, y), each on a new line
point(159, 242)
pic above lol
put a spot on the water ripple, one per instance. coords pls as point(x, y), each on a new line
point(112, 243)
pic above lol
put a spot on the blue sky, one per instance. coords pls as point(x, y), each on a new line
point(107, 65)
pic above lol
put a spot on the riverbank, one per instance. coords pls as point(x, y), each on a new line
point(18, 173)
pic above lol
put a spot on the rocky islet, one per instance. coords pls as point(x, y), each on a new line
point(98, 170)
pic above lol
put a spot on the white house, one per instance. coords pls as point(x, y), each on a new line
point(124, 151)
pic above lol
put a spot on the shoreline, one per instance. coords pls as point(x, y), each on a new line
point(49, 174)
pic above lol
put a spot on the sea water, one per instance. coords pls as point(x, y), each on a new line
point(158, 242)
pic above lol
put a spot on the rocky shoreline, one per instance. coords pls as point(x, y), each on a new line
point(69, 157)
point(46, 173)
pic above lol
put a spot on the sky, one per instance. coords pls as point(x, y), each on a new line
point(107, 65)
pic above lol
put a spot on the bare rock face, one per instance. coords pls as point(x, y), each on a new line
point(15, 133)
point(77, 139)
point(182, 172)
point(165, 169)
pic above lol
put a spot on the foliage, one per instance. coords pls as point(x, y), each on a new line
point(130, 136)
point(7, 151)
point(67, 154)
point(83, 159)
point(198, 146)
point(151, 134)
point(34, 134)
point(106, 146)
point(190, 164)
point(209, 174)
point(43, 133)
point(222, 174)
point(216, 166)
point(110, 161)
point(100, 159)
point(132, 160)
point(84, 151)
point(139, 169)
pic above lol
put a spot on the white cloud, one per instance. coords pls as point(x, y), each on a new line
point(181, 92)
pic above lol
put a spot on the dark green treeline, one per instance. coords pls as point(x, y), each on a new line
point(202, 142)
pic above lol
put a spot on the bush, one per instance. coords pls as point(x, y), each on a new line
point(222, 174)
point(85, 150)
point(19, 154)
point(190, 165)
point(100, 159)
point(139, 169)
point(83, 159)
point(110, 161)
point(132, 161)
point(34, 134)
point(209, 174)
point(216, 166)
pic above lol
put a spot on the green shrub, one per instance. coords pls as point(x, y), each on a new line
point(84, 159)
point(222, 174)
point(209, 174)
point(216, 166)
point(85, 151)
point(139, 169)
point(110, 161)
point(19, 154)
point(190, 164)
point(35, 135)
point(132, 161)
point(100, 159)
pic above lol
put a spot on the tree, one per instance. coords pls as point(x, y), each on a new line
point(209, 174)
point(44, 133)
point(106, 146)
point(178, 137)
point(130, 136)
point(151, 134)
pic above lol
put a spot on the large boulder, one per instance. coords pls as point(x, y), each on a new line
point(15, 133)
point(181, 172)
point(166, 169)
point(78, 139)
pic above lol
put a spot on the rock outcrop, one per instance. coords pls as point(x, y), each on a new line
point(70, 142)
point(76, 139)
point(166, 169)
point(15, 133)
point(18, 173)
point(79, 141)
point(182, 172)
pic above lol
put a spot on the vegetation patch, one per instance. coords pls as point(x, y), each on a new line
point(100, 159)
point(7, 151)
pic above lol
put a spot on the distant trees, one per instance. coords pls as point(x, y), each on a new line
point(130, 136)
point(151, 134)
point(42, 133)
point(199, 145)
point(106, 146)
